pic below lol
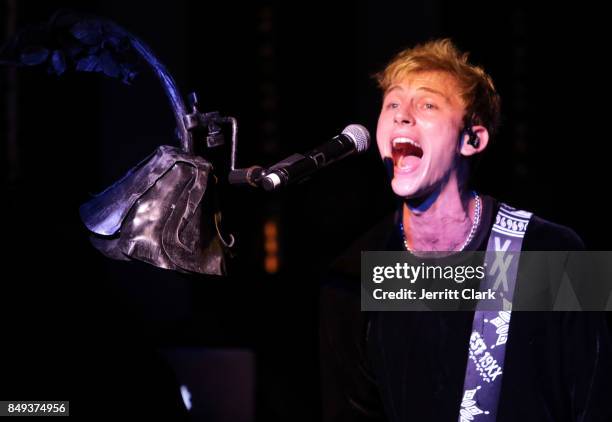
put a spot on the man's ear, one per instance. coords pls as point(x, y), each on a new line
point(478, 140)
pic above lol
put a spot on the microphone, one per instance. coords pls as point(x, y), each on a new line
point(353, 139)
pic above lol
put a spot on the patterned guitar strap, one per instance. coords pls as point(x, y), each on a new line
point(490, 329)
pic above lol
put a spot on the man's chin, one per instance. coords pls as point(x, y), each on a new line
point(404, 188)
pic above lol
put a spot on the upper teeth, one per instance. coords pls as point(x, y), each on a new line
point(405, 140)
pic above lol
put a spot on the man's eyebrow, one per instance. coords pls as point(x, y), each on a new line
point(434, 91)
point(394, 88)
point(422, 88)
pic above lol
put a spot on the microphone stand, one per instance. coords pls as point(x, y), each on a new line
point(211, 121)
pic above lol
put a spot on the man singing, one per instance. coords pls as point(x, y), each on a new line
point(439, 113)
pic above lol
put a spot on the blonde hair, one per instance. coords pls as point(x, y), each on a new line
point(482, 103)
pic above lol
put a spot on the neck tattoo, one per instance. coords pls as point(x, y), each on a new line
point(470, 235)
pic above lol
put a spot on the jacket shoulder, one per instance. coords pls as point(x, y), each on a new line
point(544, 235)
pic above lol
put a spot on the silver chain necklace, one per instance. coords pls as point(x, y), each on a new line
point(475, 223)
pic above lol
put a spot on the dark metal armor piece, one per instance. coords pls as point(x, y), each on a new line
point(156, 214)
point(163, 211)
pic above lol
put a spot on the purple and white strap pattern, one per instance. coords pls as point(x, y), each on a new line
point(490, 329)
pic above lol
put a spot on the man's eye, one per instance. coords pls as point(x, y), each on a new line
point(392, 105)
point(429, 106)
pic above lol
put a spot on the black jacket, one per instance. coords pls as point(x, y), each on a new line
point(410, 366)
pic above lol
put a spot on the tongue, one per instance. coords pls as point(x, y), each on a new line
point(406, 162)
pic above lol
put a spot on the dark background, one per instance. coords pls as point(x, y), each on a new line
point(78, 326)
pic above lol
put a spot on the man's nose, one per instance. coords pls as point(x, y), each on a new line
point(403, 116)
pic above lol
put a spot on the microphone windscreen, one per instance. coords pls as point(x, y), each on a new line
point(359, 135)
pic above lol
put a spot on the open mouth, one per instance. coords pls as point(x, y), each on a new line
point(407, 153)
